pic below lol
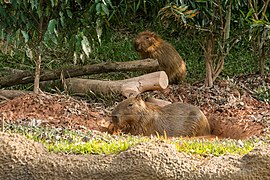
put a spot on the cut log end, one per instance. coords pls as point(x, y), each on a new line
point(163, 80)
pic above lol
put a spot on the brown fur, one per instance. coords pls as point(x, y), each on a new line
point(137, 117)
point(150, 45)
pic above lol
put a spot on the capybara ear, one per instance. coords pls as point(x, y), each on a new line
point(153, 34)
point(130, 95)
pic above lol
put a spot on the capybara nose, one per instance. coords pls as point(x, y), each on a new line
point(115, 119)
point(137, 46)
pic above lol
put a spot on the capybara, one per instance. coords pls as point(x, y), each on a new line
point(150, 45)
point(138, 117)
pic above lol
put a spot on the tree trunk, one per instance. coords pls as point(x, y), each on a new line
point(129, 87)
point(208, 79)
point(37, 71)
point(39, 53)
point(28, 77)
point(227, 26)
point(214, 65)
point(208, 62)
point(261, 56)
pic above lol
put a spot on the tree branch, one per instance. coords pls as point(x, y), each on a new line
point(28, 77)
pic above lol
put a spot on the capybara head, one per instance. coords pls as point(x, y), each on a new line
point(146, 41)
point(128, 112)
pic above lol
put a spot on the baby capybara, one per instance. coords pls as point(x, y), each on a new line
point(150, 45)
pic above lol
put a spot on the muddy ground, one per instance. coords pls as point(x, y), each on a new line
point(232, 106)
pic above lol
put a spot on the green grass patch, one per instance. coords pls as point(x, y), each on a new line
point(94, 146)
point(216, 147)
point(61, 140)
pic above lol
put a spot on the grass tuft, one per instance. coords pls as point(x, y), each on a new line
point(215, 148)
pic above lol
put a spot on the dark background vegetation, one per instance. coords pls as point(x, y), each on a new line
point(75, 32)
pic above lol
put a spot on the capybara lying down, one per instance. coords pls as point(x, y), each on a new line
point(138, 117)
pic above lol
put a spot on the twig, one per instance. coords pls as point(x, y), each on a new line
point(3, 97)
point(3, 122)
point(263, 10)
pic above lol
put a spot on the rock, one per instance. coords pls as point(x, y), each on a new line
point(21, 158)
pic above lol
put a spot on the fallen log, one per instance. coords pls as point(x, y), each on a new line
point(28, 77)
point(128, 87)
point(10, 94)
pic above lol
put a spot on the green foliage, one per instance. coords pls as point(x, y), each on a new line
point(74, 25)
point(129, 10)
point(34, 21)
point(178, 12)
point(263, 93)
point(258, 19)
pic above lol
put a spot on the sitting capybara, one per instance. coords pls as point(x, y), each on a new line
point(138, 117)
point(150, 45)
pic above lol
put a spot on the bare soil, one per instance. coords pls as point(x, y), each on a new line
point(54, 111)
point(230, 106)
